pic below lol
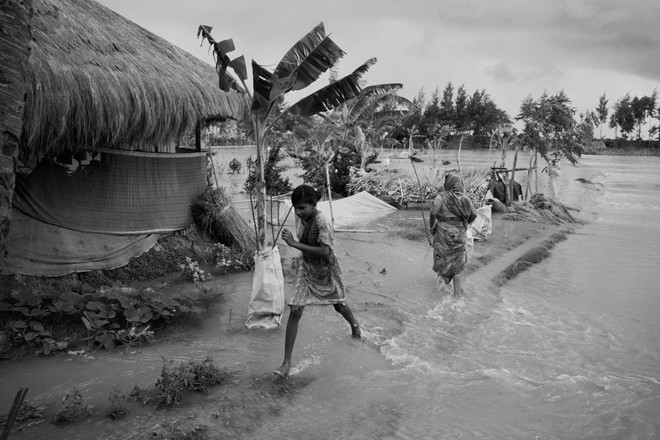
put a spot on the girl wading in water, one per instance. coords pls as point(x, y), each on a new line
point(319, 279)
point(450, 216)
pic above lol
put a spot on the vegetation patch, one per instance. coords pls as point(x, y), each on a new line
point(402, 189)
point(73, 406)
point(45, 321)
point(532, 257)
point(176, 380)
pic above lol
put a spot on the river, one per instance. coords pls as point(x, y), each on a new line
point(568, 349)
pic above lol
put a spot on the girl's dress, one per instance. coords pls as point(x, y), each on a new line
point(319, 280)
point(453, 213)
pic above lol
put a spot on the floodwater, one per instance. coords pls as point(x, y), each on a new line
point(568, 349)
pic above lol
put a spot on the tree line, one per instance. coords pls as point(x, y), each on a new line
point(628, 115)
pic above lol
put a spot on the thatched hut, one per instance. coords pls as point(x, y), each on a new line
point(114, 96)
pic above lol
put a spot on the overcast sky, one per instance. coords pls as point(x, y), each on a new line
point(510, 48)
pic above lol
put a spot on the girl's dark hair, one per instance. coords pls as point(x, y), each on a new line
point(305, 194)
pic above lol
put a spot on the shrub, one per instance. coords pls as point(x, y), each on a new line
point(275, 183)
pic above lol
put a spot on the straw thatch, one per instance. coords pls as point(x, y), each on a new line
point(96, 79)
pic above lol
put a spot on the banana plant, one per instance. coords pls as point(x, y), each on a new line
point(302, 65)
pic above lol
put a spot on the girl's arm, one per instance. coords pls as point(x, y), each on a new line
point(315, 251)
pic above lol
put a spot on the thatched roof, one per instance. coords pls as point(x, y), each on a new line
point(97, 79)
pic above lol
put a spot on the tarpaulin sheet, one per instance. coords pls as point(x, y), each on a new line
point(39, 249)
point(356, 210)
point(122, 193)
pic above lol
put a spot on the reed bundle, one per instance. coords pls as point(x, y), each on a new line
point(217, 217)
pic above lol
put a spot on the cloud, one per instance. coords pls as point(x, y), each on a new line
point(501, 72)
point(511, 48)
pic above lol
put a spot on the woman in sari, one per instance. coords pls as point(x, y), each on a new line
point(450, 216)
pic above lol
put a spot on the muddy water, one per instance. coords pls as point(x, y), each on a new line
point(568, 349)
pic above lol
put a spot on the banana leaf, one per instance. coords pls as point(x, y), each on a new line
point(310, 57)
point(332, 95)
point(205, 32)
point(262, 83)
point(238, 64)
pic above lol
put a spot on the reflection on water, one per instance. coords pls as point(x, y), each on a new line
point(568, 349)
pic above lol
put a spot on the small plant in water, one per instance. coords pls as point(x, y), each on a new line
point(73, 405)
point(118, 407)
point(137, 394)
point(176, 380)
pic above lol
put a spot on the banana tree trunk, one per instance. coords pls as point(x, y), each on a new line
point(15, 22)
point(260, 187)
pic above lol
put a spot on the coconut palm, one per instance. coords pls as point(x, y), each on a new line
point(303, 64)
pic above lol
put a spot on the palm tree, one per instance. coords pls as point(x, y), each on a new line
point(364, 121)
point(303, 64)
point(15, 19)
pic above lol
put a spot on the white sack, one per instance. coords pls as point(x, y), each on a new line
point(482, 226)
point(267, 298)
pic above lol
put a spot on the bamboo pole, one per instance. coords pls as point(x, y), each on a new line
point(327, 181)
point(513, 173)
point(536, 172)
point(426, 229)
point(458, 162)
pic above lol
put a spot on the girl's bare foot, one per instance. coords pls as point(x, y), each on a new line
point(355, 330)
point(283, 371)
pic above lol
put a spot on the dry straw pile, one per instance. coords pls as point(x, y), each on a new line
point(215, 215)
point(541, 209)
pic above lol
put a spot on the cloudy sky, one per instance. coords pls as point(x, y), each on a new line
point(510, 48)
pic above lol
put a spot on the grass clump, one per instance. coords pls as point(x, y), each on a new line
point(118, 407)
point(73, 406)
point(176, 380)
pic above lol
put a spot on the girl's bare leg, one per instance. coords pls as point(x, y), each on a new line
point(290, 339)
point(347, 313)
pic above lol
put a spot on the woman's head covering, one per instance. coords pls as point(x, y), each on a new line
point(305, 194)
point(453, 184)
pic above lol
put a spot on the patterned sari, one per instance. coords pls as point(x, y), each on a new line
point(449, 247)
point(319, 280)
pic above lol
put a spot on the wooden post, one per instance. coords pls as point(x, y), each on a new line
point(198, 136)
point(536, 172)
point(13, 413)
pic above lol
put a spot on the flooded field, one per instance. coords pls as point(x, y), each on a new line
point(566, 349)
